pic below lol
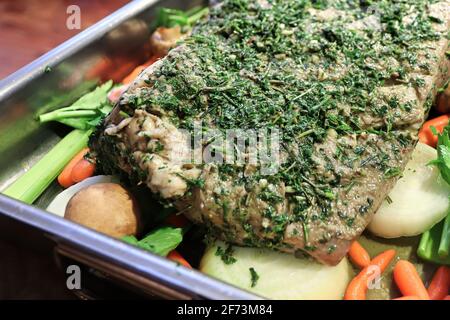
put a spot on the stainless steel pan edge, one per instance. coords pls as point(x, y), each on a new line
point(191, 282)
point(151, 266)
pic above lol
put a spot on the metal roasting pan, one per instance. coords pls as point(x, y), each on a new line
point(108, 265)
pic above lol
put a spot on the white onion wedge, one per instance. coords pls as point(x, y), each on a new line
point(419, 200)
point(59, 203)
point(281, 275)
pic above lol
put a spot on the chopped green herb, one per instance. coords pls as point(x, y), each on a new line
point(254, 277)
point(226, 255)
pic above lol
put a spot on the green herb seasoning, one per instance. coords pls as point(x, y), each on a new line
point(254, 277)
point(226, 255)
point(334, 77)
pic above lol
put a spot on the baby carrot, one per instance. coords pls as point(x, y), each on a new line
point(357, 288)
point(407, 298)
point(175, 256)
point(358, 255)
point(427, 136)
point(440, 284)
point(82, 170)
point(130, 78)
point(409, 281)
point(65, 177)
point(383, 259)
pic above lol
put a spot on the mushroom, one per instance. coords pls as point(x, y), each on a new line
point(164, 39)
point(105, 207)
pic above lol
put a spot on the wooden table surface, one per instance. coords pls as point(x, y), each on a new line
point(28, 29)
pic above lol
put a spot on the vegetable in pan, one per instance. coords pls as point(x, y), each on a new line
point(161, 241)
point(106, 207)
point(36, 180)
point(418, 201)
point(435, 243)
point(83, 115)
point(280, 275)
point(86, 112)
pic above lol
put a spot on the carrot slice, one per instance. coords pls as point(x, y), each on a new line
point(440, 284)
point(130, 78)
point(358, 255)
point(82, 170)
point(409, 281)
point(65, 177)
point(175, 256)
point(427, 136)
point(357, 289)
point(407, 298)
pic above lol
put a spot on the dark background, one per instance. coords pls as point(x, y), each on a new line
point(28, 29)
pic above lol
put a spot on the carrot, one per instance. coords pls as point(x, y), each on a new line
point(358, 255)
point(427, 136)
point(177, 220)
point(447, 298)
point(175, 256)
point(82, 170)
point(100, 69)
point(122, 68)
point(440, 284)
point(423, 137)
point(357, 289)
point(383, 260)
point(409, 281)
point(65, 177)
point(407, 298)
point(130, 78)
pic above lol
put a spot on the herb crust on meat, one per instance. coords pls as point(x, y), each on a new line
point(348, 85)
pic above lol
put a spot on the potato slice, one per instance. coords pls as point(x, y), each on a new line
point(281, 275)
point(419, 200)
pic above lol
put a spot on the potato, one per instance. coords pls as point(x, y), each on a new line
point(105, 207)
point(281, 275)
point(418, 201)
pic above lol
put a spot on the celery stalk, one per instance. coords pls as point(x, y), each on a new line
point(34, 182)
point(444, 245)
point(429, 245)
